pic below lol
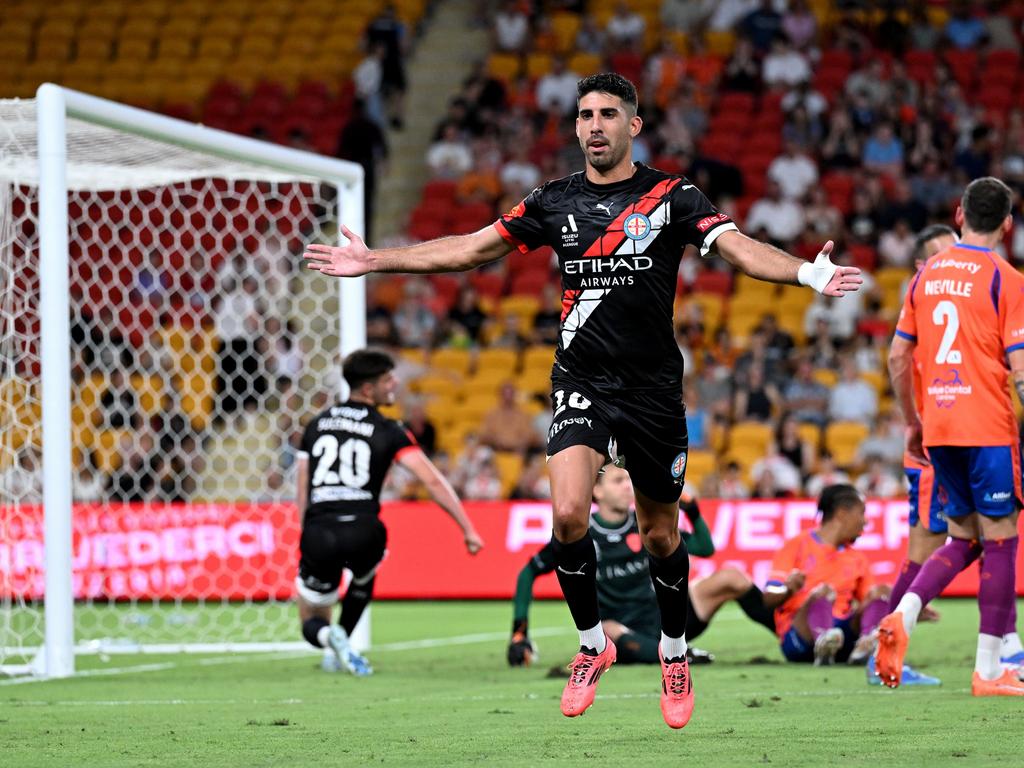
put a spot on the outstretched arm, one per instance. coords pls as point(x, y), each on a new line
point(765, 262)
point(446, 254)
point(441, 491)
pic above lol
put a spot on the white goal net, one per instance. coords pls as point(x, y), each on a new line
point(197, 343)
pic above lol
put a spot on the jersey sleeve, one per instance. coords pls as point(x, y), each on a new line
point(906, 325)
point(523, 226)
point(698, 222)
point(783, 564)
point(308, 436)
point(1013, 310)
point(402, 440)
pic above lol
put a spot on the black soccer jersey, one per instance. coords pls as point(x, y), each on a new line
point(350, 449)
point(619, 247)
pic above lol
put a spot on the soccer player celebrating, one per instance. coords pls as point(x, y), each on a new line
point(825, 605)
point(619, 229)
point(624, 592)
point(353, 446)
point(964, 317)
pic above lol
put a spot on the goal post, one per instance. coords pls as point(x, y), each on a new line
point(152, 196)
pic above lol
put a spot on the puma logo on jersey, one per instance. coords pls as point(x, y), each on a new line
point(606, 208)
point(673, 587)
point(574, 573)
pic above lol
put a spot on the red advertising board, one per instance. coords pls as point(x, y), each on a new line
point(249, 551)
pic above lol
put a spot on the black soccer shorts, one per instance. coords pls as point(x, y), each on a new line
point(645, 432)
point(331, 543)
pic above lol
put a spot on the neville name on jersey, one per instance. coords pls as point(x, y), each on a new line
point(619, 247)
point(350, 449)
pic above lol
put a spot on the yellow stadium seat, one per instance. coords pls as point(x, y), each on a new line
point(442, 384)
point(810, 433)
point(750, 435)
point(134, 49)
point(150, 393)
point(457, 361)
point(197, 399)
point(452, 437)
point(503, 66)
point(537, 65)
point(257, 46)
point(842, 439)
point(174, 48)
point(699, 464)
point(826, 377)
point(93, 48)
point(876, 379)
point(16, 29)
point(182, 26)
point(226, 26)
point(510, 467)
point(139, 29)
point(523, 306)
point(533, 381)
point(742, 323)
point(744, 285)
point(14, 51)
point(584, 64)
point(539, 357)
point(504, 361)
point(476, 406)
point(720, 43)
point(565, 25)
point(108, 449)
point(488, 381)
point(745, 457)
point(442, 411)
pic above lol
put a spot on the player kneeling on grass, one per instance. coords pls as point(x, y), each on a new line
point(624, 591)
point(353, 446)
point(826, 608)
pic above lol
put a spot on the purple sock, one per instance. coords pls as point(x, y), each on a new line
point(819, 617)
point(997, 584)
point(909, 570)
point(942, 567)
point(1011, 618)
point(872, 614)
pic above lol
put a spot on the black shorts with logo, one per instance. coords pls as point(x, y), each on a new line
point(333, 542)
point(644, 432)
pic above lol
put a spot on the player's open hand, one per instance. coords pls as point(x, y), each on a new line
point(351, 260)
point(473, 542)
point(914, 441)
point(828, 278)
point(795, 581)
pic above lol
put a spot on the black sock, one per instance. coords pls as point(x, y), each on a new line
point(311, 628)
point(357, 597)
point(577, 576)
point(670, 576)
point(752, 603)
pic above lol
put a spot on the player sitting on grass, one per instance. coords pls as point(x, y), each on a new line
point(825, 605)
point(624, 591)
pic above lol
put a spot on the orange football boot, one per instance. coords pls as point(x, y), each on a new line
point(584, 673)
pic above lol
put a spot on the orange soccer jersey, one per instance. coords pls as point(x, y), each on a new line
point(965, 311)
point(844, 569)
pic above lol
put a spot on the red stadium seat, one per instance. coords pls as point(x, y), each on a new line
point(713, 281)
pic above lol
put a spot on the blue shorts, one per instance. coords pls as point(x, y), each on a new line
point(978, 479)
point(925, 504)
point(795, 648)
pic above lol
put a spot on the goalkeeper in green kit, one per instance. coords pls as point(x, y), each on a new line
point(624, 591)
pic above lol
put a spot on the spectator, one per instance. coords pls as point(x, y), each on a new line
point(362, 141)
point(421, 427)
point(826, 475)
point(963, 29)
point(757, 356)
point(870, 83)
point(778, 344)
point(728, 13)
point(793, 447)
point(762, 26)
point(742, 72)
point(548, 320)
point(449, 158)
point(803, 95)
point(518, 176)
point(784, 476)
point(731, 484)
point(542, 421)
point(863, 220)
point(892, 31)
point(883, 152)
point(896, 246)
point(388, 31)
point(508, 427)
point(22, 482)
point(625, 27)
point(135, 478)
point(801, 131)
point(685, 15)
point(842, 147)
point(715, 391)
point(781, 219)
point(932, 187)
point(824, 220)
point(118, 407)
point(511, 334)
point(923, 35)
point(784, 67)
point(800, 25)
point(885, 441)
point(533, 482)
point(820, 348)
point(511, 28)
point(485, 483)
point(590, 38)
point(852, 398)
point(466, 318)
point(557, 88)
point(975, 159)
point(481, 184)
point(999, 32)
point(415, 324)
point(841, 313)
point(793, 171)
point(879, 480)
point(804, 397)
point(756, 399)
point(697, 419)
point(368, 79)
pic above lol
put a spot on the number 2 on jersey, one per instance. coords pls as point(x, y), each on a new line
point(353, 457)
point(945, 313)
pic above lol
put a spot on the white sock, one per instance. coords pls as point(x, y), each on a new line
point(986, 662)
point(673, 647)
point(593, 638)
point(322, 635)
point(910, 607)
point(1011, 644)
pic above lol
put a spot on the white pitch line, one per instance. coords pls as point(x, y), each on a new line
point(407, 645)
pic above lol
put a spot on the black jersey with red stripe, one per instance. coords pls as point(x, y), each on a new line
point(350, 447)
point(619, 247)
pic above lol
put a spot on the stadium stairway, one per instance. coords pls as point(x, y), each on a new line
point(442, 59)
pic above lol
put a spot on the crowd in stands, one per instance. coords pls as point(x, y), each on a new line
point(804, 121)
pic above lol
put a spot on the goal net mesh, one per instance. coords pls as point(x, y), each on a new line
point(197, 344)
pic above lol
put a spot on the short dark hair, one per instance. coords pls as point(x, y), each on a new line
point(836, 497)
point(986, 202)
point(608, 82)
point(365, 365)
point(930, 233)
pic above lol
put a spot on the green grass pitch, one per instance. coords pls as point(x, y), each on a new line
point(444, 703)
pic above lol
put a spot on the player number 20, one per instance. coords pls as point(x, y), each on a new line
point(945, 313)
point(576, 400)
point(353, 457)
